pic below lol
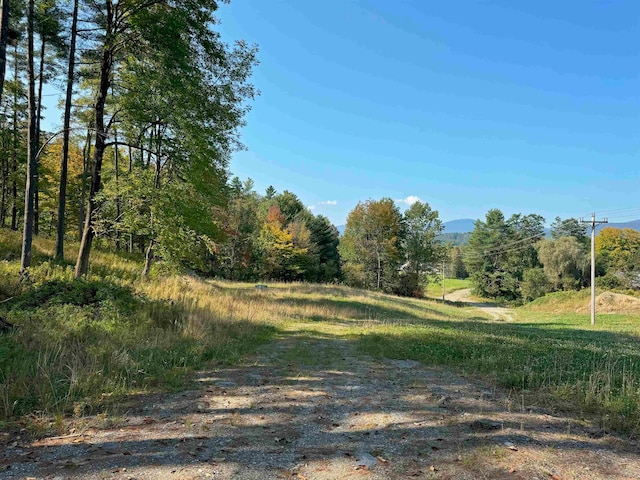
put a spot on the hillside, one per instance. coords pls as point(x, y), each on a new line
point(454, 238)
point(572, 302)
point(463, 225)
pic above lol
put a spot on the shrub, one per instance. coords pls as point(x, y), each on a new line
point(534, 284)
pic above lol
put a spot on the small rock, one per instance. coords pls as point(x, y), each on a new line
point(366, 460)
point(406, 363)
point(226, 383)
point(510, 446)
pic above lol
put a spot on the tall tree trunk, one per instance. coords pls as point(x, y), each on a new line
point(148, 259)
point(4, 33)
point(86, 155)
point(5, 182)
point(14, 150)
point(149, 155)
point(379, 272)
point(106, 64)
point(130, 172)
point(32, 146)
point(36, 207)
point(117, 168)
point(5, 177)
point(64, 161)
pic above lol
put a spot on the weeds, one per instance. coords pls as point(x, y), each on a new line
point(82, 346)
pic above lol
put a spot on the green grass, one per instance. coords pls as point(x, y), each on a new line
point(558, 361)
point(434, 290)
point(82, 346)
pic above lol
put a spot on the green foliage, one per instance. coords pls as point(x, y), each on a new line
point(534, 284)
point(569, 227)
point(173, 214)
point(262, 242)
point(385, 250)
point(500, 251)
point(286, 248)
point(565, 262)
point(421, 227)
point(618, 250)
point(289, 205)
point(456, 266)
point(371, 248)
point(84, 345)
point(454, 238)
point(611, 281)
point(78, 292)
point(325, 240)
point(239, 257)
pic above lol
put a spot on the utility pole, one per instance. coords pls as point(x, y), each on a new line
point(593, 223)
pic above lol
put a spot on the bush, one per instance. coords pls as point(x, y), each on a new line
point(534, 284)
point(610, 281)
point(408, 285)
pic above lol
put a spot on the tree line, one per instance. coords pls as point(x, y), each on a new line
point(510, 258)
point(154, 103)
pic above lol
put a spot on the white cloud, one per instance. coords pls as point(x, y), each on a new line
point(311, 207)
point(329, 202)
point(410, 200)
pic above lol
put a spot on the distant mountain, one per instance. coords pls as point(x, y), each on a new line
point(455, 239)
point(633, 224)
point(454, 230)
point(463, 225)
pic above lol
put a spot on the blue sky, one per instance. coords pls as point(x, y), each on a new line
point(529, 107)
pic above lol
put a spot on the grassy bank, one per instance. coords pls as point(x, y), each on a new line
point(80, 346)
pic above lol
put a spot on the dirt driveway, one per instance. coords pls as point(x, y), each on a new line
point(310, 406)
point(464, 296)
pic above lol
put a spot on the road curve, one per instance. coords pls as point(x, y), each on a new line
point(464, 296)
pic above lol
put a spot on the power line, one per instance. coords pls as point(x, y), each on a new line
point(485, 253)
point(515, 245)
point(616, 210)
point(508, 245)
point(633, 215)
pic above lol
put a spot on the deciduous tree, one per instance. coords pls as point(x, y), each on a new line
point(371, 248)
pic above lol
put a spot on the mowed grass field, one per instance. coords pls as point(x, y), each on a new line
point(84, 346)
point(434, 290)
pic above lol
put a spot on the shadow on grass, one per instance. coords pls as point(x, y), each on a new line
point(359, 310)
point(573, 369)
